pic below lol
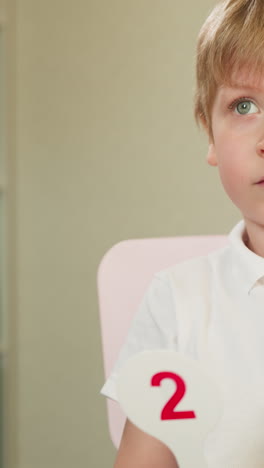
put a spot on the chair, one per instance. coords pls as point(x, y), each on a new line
point(124, 273)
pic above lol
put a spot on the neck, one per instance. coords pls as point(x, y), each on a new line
point(254, 237)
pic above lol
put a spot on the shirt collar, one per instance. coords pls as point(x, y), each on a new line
point(250, 265)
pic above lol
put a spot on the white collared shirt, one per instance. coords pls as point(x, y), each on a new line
point(234, 343)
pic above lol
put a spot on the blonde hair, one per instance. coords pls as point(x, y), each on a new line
point(232, 37)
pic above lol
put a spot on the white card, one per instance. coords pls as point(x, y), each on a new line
point(170, 397)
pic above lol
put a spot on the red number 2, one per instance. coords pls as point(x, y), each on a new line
point(168, 410)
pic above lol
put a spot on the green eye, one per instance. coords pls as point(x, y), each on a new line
point(246, 107)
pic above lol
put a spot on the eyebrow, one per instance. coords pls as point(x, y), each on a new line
point(244, 85)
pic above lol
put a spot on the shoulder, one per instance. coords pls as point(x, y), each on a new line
point(193, 269)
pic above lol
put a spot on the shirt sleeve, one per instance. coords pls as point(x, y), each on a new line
point(154, 327)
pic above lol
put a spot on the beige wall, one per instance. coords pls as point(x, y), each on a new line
point(106, 149)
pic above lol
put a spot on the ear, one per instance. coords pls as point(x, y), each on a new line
point(211, 155)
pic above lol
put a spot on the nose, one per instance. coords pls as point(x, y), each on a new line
point(260, 148)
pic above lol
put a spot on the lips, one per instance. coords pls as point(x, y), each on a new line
point(261, 181)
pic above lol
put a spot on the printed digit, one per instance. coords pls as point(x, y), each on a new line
point(168, 410)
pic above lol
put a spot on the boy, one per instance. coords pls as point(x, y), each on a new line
point(228, 312)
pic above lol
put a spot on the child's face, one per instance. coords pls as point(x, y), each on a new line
point(238, 143)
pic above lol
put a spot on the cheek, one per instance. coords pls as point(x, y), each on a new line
point(232, 166)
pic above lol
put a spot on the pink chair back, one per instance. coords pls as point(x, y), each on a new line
point(123, 276)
